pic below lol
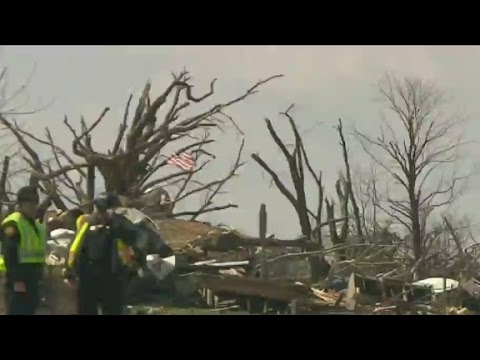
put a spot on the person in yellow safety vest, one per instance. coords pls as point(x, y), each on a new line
point(24, 248)
point(96, 260)
point(126, 252)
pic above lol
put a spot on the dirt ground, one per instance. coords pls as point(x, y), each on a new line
point(164, 310)
point(166, 305)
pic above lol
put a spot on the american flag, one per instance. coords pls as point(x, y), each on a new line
point(184, 161)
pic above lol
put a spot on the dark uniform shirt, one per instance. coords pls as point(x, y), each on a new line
point(99, 253)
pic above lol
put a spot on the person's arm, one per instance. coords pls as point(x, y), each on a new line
point(124, 229)
point(69, 272)
point(11, 244)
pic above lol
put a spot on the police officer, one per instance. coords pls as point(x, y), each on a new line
point(95, 259)
point(24, 248)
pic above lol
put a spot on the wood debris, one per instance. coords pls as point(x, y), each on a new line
point(335, 299)
point(457, 311)
point(385, 310)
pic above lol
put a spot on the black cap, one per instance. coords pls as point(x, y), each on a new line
point(107, 201)
point(113, 200)
point(27, 194)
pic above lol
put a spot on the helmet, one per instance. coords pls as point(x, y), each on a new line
point(27, 194)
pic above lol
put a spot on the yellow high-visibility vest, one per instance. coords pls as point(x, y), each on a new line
point(33, 244)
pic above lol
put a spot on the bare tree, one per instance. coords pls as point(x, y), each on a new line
point(367, 190)
point(348, 184)
point(13, 102)
point(342, 188)
point(139, 157)
point(446, 249)
point(416, 147)
point(297, 161)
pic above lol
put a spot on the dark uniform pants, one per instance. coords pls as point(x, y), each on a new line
point(22, 303)
point(104, 292)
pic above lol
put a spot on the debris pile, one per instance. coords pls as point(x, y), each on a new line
point(223, 269)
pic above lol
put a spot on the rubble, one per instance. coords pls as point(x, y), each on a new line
point(223, 270)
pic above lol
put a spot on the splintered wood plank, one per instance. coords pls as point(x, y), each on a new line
point(254, 287)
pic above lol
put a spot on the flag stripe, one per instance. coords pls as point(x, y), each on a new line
point(180, 159)
point(184, 161)
point(181, 165)
point(187, 158)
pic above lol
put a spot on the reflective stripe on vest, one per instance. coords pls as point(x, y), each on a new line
point(77, 244)
point(2, 265)
point(32, 246)
point(126, 253)
point(82, 219)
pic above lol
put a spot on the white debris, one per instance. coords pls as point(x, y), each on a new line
point(53, 260)
point(205, 262)
point(62, 234)
point(437, 284)
point(232, 272)
point(160, 267)
point(131, 214)
point(134, 215)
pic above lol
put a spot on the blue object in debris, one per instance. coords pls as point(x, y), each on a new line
point(338, 284)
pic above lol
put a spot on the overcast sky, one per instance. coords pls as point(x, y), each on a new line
point(324, 82)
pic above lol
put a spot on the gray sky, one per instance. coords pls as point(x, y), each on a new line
point(324, 82)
